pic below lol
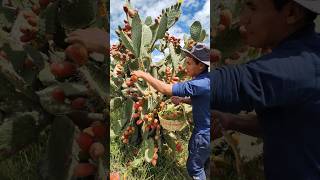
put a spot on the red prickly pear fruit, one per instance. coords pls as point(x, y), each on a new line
point(215, 55)
point(179, 147)
point(84, 170)
point(28, 63)
point(63, 69)
point(139, 122)
point(77, 53)
point(134, 78)
point(78, 103)
point(84, 141)
point(226, 17)
point(44, 3)
point(58, 95)
point(136, 105)
point(99, 130)
point(26, 38)
point(175, 78)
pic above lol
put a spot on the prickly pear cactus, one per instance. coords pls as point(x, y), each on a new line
point(140, 125)
point(47, 83)
point(70, 16)
point(226, 35)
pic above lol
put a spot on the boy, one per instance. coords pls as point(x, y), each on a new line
point(197, 63)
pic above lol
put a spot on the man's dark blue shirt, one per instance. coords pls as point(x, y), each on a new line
point(283, 87)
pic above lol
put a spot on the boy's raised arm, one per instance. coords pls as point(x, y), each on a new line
point(160, 86)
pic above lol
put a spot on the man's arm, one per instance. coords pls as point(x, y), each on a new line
point(160, 86)
point(246, 123)
point(261, 83)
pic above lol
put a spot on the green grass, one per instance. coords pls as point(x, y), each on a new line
point(25, 164)
point(167, 166)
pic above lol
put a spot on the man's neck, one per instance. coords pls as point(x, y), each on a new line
point(291, 31)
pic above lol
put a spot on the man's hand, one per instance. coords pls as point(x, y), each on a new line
point(176, 100)
point(94, 39)
point(244, 123)
point(219, 120)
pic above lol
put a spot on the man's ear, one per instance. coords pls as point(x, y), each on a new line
point(202, 66)
point(294, 13)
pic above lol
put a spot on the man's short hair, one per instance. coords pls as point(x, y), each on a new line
point(279, 4)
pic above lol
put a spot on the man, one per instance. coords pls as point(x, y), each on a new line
point(198, 89)
point(283, 87)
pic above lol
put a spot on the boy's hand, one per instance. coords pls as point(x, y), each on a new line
point(157, 84)
point(176, 100)
point(139, 73)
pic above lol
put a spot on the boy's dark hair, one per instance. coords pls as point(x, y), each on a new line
point(310, 16)
point(197, 62)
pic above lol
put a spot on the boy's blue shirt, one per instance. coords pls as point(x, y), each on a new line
point(284, 89)
point(199, 91)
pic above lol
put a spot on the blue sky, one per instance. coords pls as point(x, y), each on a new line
point(192, 10)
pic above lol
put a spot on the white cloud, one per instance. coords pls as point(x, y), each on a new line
point(117, 16)
point(158, 57)
point(203, 15)
point(153, 8)
point(191, 3)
